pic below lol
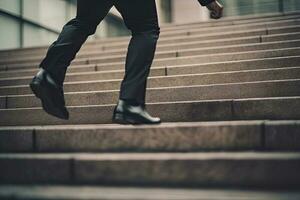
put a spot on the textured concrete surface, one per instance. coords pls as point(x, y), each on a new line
point(15, 141)
point(177, 53)
point(167, 47)
point(283, 136)
point(192, 70)
point(192, 59)
point(172, 94)
point(237, 24)
point(187, 111)
point(228, 90)
point(270, 170)
point(128, 193)
point(188, 136)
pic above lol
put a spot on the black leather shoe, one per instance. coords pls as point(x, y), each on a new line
point(126, 113)
point(50, 93)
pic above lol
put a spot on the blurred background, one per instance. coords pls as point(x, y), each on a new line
point(28, 23)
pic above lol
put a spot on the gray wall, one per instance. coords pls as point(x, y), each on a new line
point(26, 23)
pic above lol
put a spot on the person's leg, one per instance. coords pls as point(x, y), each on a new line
point(140, 16)
point(47, 84)
point(60, 54)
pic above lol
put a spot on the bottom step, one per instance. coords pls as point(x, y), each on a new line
point(118, 193)
point(240, 169)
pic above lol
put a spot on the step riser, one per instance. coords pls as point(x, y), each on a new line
point(216, 172)
point(192, 52)
point(181, 138)
point(276, 109)
point(197, 69)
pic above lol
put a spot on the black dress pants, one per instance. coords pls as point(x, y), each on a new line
point(140, 16)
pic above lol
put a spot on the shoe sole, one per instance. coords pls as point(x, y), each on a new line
point(120, 119)
point(41, 93)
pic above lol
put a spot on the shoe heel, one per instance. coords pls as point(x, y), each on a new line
point(36, 89)
point(119, 119)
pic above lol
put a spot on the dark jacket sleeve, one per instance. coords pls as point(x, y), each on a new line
point(205, 2)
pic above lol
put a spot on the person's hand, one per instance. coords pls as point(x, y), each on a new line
point(216, 10)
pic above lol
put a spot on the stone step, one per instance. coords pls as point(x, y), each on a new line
point(236, 21)
point(189, 37)
point(241, 169)
point(209, 58)
point(197, 38)
point(210, 36)
point(59, 192)
point(170, 47)
point(222, 22)
point(160, 48)
point(225, 29)
point(233, 21)
point(111, 80)
point(234, 66)
point(230, 85)
point(180, 93)
point(92, 71)
point(19, 80)
point(188, 31)
point(275, 108)
point(176, 53)
point(185, 58)
point(166, 137)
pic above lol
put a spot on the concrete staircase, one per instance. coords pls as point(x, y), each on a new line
point(227, 91)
